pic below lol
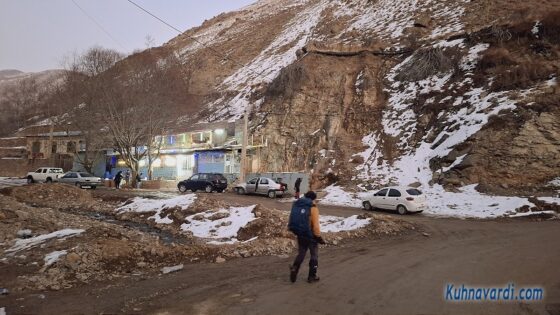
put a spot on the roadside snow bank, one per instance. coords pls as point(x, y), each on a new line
point(221, 225)
point(336, 196)
point(339, 224)
point(469, 203)
point(140, 205)
point(23, 244)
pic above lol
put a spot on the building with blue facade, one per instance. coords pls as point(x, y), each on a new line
point(203, 148)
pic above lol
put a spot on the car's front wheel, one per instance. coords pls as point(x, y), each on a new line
point(49, 180)
point(78, 185)
point(367, 206)
point(402, 210)
point(30, 180)
point(208, 188)
point(183, 188)
point(272, 194)
point(240, 191)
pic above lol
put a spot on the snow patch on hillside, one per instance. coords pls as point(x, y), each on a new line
point(388, 19)
point(266, 67)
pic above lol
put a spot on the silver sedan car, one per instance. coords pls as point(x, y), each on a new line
point(261, 186)
point(81, 179)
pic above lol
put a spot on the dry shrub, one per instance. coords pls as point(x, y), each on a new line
point(425, 63)
point(550, 28)
point(521, 76)
point(495, 57)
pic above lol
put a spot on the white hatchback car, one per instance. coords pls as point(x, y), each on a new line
point(401, 199)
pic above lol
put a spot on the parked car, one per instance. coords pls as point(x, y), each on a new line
point(260, 186)
point(208, 182)
point(44, 174)
point(401, 199)
point(81, 179)
point(280, 181)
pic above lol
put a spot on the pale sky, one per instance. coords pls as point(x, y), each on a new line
point(35, 35)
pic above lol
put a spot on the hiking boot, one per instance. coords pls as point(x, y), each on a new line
point(313, 278)
point(293, 273)
point(312, 273)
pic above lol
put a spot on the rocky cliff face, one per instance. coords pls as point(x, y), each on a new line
point(386, 91)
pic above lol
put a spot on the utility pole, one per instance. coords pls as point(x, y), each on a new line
point(242, 168)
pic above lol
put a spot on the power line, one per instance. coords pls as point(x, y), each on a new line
point(216, 52)
point(98, 25)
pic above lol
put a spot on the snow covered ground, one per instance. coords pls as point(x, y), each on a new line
point(336, 196)
point(23, 244)
point(140, 205)
point(339, 224)
point(221, 225)
point(11, 182)
point(468, 203)
point(53, 257)
point(555, 182)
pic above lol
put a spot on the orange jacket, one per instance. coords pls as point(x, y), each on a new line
point(314, 220)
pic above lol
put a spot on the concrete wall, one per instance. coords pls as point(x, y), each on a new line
point(20, 167)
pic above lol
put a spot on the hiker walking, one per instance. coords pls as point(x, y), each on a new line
point(139, 181)
point(118, 179)
point(304, 223)
point(296, 187)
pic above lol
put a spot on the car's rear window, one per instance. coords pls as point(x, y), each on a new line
point(414, 192)
point(86, 175)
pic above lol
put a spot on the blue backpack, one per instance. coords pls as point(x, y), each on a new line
point(299, 218)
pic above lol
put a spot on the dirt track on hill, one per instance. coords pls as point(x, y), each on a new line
point(398, 275)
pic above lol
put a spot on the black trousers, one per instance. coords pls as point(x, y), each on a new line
point(305, 244)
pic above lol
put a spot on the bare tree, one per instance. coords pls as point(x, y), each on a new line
point(85, 80)
point(138, 106)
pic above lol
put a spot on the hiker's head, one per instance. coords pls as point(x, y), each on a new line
point(311, 195)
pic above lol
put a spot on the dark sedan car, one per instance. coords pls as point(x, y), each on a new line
point(208, 182)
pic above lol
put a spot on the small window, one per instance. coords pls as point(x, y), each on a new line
point(44, 170)
point(73, 175)
point(264, 181)
point(394, 193)
point(85, 175)
point(381, 193)
point(56, 171)
point(203, 176)
point(194, 177)
point(414, 192)
point(54, 148)
point(39, 170)
point(252, 181)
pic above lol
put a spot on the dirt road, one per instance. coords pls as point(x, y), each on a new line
point(404, 275)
